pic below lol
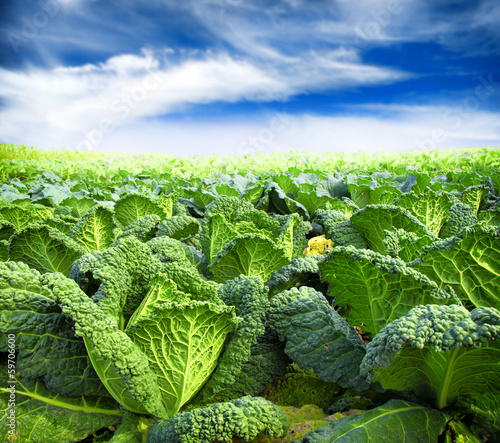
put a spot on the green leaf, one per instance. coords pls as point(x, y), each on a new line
point(41, 416)
point(394, 421)
point(244, 418)
point(312, 201)
point(376, 289)
point(78, 206)
point(6, 230)
point(47, 349)
point(168, 249)
point(135, 206)
point(221, 232)
point(470, 263)
point(179, 227)
point(60, 224)
point(473, 196)
point(249, 297)
point(457, 353)
point(21, 217)
point(339, 228)
point(376, 223)
point(189, 339)
point(490, 217)
point(253, 193)
point(4, 250)
point(94, 231)
point(486, 416)
point(248, 254)
point(317, 337)
point(431, 208)
point(461, 217)
point(298, 271)
point(52, 194)
point(45, 249)
point(299, 388)
point(121, 366)
point(133, 429)
point(143, 229)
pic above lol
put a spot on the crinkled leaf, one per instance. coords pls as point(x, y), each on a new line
point(47, 349)
point(461, 217)
point(317, 336)
point(179, 227)
point(135, 206)
point(189, 339)
point(376, 289)
point(244, 418)
point(374, 222)
point(21, 217)
point(470, 263)
point(45, 249)
point(6, 230)
point(457, 353)
point(94, 231)
point(78, 206)
point(143, 229)
point(249, 297)
point(248, 254)
point(431, 208)
point(339, 228)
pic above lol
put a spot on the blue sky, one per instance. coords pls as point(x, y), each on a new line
point(239, 77)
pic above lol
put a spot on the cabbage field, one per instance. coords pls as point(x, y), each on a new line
point(275, 298)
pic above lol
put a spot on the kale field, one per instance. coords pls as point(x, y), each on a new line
point(275, 298)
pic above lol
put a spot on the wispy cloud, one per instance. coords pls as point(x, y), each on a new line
point(129, 87)
point(108, 68)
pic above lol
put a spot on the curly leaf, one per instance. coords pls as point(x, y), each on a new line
point(243, 418)
point(376, 289)
point(317, 337)
point(457, 353)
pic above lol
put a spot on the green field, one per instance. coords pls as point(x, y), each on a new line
point(299, 297)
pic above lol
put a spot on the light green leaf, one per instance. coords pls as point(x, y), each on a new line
point(45, 249)
point(431, 208)
point(182, 343)
point(135, 206)
point(248, 254)
point(94, 231)
point(376, 289)
point(21, 217)
point(377, 222)
point(78, 206)
point(470, 263)
point(395, 421)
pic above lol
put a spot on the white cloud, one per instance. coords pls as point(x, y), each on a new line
point(127, 88)
point(252, 28)
point(263, 54)
point(408, 128)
